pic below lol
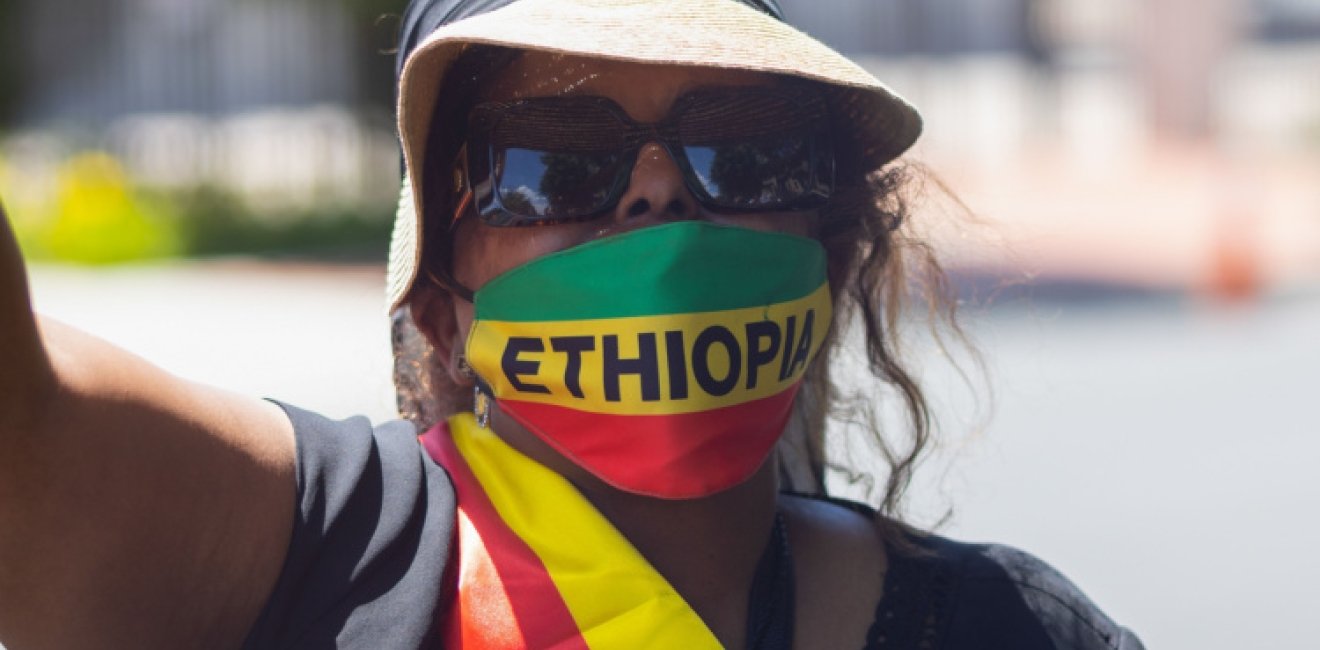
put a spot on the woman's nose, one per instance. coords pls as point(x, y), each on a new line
point(656, 190)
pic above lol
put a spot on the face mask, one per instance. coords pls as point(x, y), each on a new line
point(665, 360)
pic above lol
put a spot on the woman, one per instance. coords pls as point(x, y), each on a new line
point(628, 233)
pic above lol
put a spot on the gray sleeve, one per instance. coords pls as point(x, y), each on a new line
point(371, 538)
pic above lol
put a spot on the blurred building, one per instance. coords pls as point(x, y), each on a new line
point(91, 62)
point(265, 96)
point(951, 27)
point(899, 27)
point(262, 98)
point(1155, 142)
point(1287, 20)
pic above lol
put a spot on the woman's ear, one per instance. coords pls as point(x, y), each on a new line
point(436, 314)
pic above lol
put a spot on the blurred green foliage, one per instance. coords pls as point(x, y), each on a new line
point(215, 222)
point(93, 214)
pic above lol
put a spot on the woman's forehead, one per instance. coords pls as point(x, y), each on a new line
point(644, 90)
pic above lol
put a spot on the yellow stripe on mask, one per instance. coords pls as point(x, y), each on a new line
point(616, 597)
point(653, 365)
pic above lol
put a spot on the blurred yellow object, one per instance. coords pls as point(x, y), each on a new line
point(96, 217)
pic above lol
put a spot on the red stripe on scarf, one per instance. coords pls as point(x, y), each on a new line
point(539, 611)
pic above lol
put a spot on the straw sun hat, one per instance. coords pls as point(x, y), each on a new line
point(737, 34)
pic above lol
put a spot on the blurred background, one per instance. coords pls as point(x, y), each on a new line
point(210, 183)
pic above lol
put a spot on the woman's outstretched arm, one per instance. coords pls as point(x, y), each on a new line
point(136, 509)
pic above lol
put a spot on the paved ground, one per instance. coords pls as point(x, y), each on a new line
point(1160, 450)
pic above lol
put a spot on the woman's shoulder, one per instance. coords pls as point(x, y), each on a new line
point(958, 595)
point(943, 593)
point(371, 538)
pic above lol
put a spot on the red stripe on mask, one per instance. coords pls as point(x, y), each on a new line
point(675, 456)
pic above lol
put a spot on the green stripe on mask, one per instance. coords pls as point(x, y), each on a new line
point(599, 279)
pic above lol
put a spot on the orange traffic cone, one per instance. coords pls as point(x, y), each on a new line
point(1235, 264)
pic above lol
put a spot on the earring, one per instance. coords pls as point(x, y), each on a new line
point(481, 407)
point(480, 400)
point(464, 368)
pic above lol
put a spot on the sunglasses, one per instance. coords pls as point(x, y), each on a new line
point(552, 160)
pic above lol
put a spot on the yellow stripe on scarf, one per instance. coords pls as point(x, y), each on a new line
point(616, 597)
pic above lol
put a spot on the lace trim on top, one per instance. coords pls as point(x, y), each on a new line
point(914, 605)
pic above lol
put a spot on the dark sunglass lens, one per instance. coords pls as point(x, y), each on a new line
point(756, 150)
point(550, 185)
point(767, 172)
point(556, 159)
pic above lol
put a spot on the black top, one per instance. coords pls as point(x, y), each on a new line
point(375, 522)
point(371, 538)
point(974, 596)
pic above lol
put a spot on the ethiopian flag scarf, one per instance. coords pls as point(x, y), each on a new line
point(538, 567)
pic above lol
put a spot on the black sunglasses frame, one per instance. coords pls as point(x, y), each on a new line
point(480, 154)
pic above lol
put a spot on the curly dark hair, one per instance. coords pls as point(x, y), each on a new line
point(881, 270)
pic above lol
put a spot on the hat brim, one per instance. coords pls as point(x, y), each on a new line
point(707, 33)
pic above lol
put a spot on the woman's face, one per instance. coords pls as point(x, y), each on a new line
point(655, 194)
